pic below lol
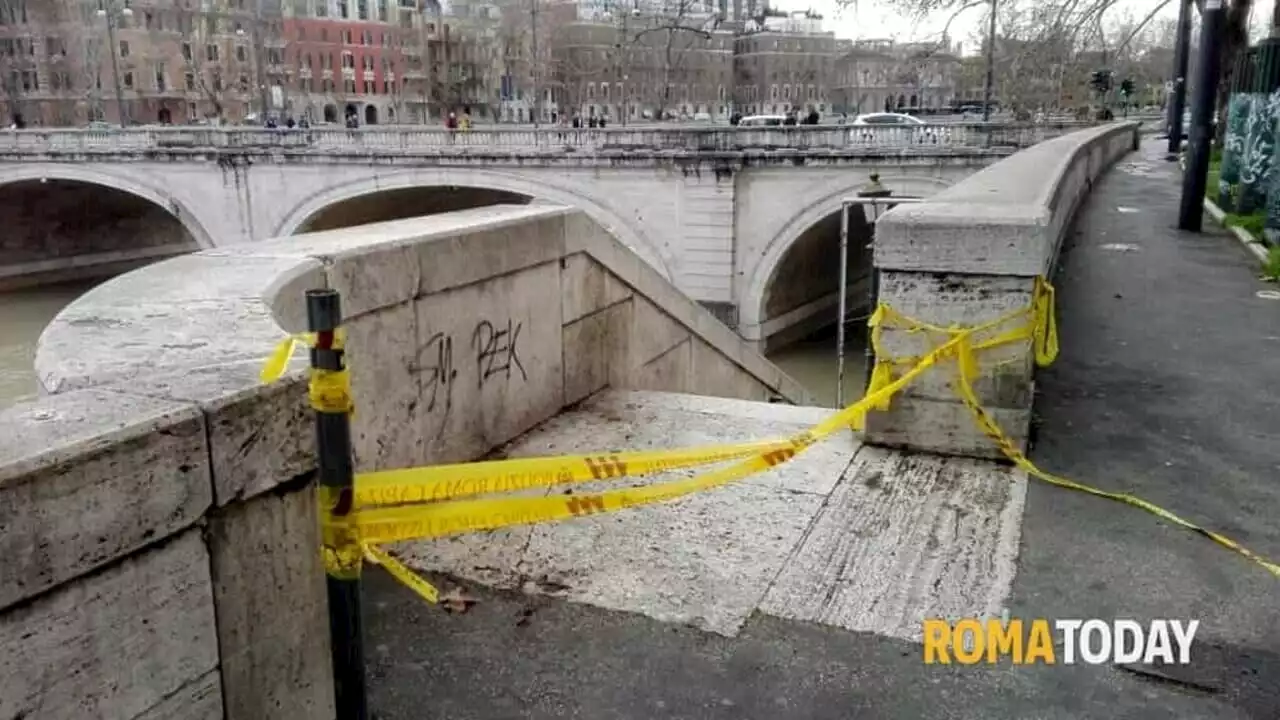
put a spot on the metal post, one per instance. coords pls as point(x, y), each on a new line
point(1191, 211)
point(258, 61)
point(1181, 55)
point(991, 66)
point(342, 575)
point(844, 284)
point(109, 14)
point(537, 89)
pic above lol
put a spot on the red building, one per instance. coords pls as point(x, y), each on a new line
point(340, 68)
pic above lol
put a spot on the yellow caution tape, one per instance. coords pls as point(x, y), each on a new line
point(445, 482)
point(1011, 451)
point(397, 570)
point(328, 390)
point(407, 504)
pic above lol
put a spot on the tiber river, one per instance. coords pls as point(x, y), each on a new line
point(25, 313)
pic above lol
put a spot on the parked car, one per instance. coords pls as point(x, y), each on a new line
point(914, 128)
point(762, 121)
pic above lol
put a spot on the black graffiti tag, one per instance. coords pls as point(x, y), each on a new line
point(497, 350)
point(435, 358)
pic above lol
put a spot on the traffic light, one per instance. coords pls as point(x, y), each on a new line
point(1101, 81)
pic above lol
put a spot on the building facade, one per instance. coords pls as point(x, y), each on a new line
point(634, 66)
point(67, 62)
point(783, 64)
point(884, 76)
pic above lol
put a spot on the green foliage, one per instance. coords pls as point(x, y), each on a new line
point(1251, 223)
point(1271, 268)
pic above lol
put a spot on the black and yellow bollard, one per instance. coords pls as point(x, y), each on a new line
point(331, 398)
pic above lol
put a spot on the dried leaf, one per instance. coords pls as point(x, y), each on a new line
point(457, 601)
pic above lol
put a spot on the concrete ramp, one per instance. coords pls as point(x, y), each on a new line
point(846, 535)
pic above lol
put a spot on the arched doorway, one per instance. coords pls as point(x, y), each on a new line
point(370, 115)
point(914, 101)
point(351, 114)
point(330, 114)
point(164, 117)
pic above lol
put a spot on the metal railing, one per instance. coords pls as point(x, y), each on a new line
point(412, 140)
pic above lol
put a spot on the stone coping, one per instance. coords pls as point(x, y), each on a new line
point(994, 221)
point(231, 305)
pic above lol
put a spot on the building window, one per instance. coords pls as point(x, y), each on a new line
point(362, 9)
point(349, 86)
point(189, 80)
point(186, 51)
point(322, 10)
point(348, 61)
point(242, 53)
point(346, 37)
point(366, 38)
point(128, 79)
point(369, 87)
point(388, 87)
point(124, 48)
point(162, 83)
point(368, 63)
point(211, 52)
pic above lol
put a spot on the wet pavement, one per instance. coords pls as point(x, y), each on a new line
point(1161, 389)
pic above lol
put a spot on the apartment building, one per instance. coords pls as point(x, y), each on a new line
point(68, 62)
point(783, 63)
point(883, 75)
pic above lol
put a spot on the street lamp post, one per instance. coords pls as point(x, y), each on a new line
point(991, 66)
point(109, 15)
point(255, 39)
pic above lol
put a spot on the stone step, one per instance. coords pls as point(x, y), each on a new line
point(847, 535)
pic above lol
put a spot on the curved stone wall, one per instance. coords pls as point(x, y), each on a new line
point(968, 255)
point(156, 513)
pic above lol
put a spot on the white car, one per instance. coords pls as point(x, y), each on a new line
point(913, 128)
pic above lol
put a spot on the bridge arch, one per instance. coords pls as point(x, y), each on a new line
point(752, 313)
point(65, 172)
point(537, 189)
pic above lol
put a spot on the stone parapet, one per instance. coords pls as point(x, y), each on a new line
point(157, 514)
point(968, 255)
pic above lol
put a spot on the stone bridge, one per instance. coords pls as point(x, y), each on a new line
point(742, 220)
point(158, 515)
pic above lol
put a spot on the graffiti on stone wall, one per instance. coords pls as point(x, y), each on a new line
point(497, 350)
point(495, 353)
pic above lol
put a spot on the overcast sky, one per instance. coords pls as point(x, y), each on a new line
point(877, 18)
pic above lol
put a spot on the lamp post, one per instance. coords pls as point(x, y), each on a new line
point(255, 39)
point(991, 66)
point(875, 195)
point(109, 15)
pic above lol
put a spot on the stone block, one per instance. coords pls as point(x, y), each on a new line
point(259, 435)
point(588, 287)
point(653, 332)
point(374, 277)
point(113, 644)
point(90, 476)
point(596, 351)
point(944, 427)
point(669, 372)
point(382, 353)
point(946, 300)
point(985, 239)
point(489, 362)
point(713, 374)
point(200, 699)
point(905, 537)
point(470, 256)
point(269, 587)
point(90, 344)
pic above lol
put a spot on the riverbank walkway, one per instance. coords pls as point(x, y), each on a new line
point(1162, 389)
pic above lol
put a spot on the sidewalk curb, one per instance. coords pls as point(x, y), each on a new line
point(1254, 245)
point(1251, 243)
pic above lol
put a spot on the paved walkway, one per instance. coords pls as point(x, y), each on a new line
point(1160, 389)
